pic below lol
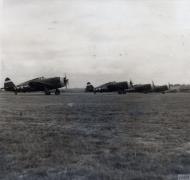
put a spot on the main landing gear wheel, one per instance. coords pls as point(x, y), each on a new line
point(47, 92)
point(57, 92)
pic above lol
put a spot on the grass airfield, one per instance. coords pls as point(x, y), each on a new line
point(83, 136)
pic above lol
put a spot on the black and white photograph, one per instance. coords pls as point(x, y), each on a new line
point(94, 90)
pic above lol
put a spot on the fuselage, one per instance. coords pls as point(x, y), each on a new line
point(140, 88)
point(40, 84)
point(112, 87)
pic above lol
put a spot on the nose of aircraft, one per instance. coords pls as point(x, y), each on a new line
point(64, 81)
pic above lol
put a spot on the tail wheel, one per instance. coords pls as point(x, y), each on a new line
point(57, 92)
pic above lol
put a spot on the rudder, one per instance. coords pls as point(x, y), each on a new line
point(9, 85)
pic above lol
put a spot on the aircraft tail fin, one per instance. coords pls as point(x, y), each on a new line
point(9, 85)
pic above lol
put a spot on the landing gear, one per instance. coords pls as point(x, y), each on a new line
point(47, 92)
point(57, 92)
point(122, 92)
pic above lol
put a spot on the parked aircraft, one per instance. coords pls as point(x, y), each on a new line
point(47, 85)
point(147, 88)
point(139, 88)
point(125, 87)
point(160, 89)
point(176, 88)
point(119, 87)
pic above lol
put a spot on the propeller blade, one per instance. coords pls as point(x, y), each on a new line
point(131, 83)
point(66, 81)
point(153, 85)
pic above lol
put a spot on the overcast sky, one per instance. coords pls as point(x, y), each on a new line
point(96, 40)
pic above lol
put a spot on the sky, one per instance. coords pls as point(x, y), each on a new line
point(95, 40)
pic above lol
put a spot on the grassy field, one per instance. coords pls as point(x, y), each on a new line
point(86, 136)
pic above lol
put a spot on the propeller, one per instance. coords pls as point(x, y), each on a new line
point(131, 83)
point(153, 85)
point(66, 81)
point(169, 85)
